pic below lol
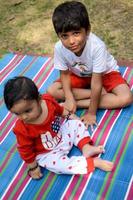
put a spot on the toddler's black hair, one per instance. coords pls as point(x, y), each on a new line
point(69, 16)
point(19, 88)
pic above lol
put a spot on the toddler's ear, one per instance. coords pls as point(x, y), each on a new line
point(39, 97)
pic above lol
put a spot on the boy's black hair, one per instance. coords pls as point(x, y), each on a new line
point(19, 88)
point(69, 16)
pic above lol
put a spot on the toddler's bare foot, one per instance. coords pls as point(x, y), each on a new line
point(104, 165)
point(89, 150)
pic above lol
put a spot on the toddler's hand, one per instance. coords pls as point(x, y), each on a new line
point(89, 120)
point(73, 116)
point(35, 174)
point(70, 105)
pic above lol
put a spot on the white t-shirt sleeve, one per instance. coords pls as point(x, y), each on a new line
point(99, 59)
point(59, 60)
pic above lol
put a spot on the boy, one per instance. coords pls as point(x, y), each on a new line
point(44, 138)
point(85, 64)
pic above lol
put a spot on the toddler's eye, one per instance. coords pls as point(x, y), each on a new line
point(29, 110)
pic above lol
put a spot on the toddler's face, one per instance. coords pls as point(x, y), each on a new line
point(27, 110)
point(74, 40)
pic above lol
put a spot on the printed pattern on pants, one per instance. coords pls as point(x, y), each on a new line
point(57, 160)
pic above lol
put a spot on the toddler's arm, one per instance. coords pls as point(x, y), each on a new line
point(34, 170)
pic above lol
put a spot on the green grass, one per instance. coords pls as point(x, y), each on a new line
point(26, 25)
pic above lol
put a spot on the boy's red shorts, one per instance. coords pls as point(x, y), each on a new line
point(110, 81)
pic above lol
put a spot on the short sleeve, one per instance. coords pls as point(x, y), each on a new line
point(100, 59)
point(59, 59)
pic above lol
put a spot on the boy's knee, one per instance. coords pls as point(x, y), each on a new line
point(127, 99)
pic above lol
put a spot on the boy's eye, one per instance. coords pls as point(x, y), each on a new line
point(64, 37)
point(76, 33)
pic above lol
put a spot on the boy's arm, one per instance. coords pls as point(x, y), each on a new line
point(96, 88)
point(70, 102)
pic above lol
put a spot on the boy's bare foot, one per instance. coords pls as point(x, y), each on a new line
point(104, 165)
point(89, 150)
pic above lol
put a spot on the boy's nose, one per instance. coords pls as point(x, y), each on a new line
point(71, 40)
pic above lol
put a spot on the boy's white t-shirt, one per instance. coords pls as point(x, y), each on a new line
point(94, 58)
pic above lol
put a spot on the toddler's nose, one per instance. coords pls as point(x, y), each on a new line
point(23, 116)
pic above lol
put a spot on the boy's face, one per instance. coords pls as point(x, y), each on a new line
point(27, 110)
point(74, 40)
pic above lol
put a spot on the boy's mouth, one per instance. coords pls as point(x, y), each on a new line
point(73, 48)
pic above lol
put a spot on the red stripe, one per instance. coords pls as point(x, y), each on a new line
point(105, 134)
point(116, 162)
point(11, 188)
point(110, 124)
point(10, 68)
point(70, 189)
point(8, 128)
point(130, 194)
point(101, 125)
point(45, 186)
point(37, 76)
point(7, 158)
point(14, 59)
point(127, 74)
point(15, 182)
point(82, 185)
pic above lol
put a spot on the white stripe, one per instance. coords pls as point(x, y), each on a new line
point(9, 63)
point(63, 195)
point(99, 155)
point(128, 190)
point(16, 174)
point(12, 69)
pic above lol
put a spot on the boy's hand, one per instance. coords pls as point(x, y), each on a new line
point(35, 174)
point(89, 120)
point(70, 105)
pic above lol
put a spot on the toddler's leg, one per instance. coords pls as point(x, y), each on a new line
point(89, 150)
point(81, 138)
point(104, 165)
point(62, 164)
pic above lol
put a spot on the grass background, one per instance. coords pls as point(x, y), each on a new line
point(25, 25)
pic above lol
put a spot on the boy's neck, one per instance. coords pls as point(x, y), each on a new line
point(81, 51)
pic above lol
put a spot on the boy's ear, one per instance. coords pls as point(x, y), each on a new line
point(88, 31)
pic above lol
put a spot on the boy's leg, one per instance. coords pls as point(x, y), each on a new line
point(118, 92)
point(119, 97)
point(57, 92)
point(80, 88)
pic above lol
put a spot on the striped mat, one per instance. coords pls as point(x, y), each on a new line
point(115, 131)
